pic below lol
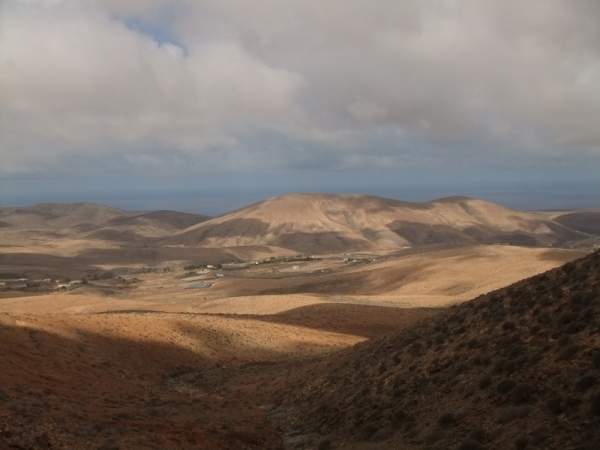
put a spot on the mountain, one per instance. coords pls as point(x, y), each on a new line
point(518, 368)
point(89, 220)
point(327, 223)
point(147, 225)
point(57, 216)
point(174, 219)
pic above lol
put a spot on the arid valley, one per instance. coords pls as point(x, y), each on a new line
point(170, 330)
point(299, 225)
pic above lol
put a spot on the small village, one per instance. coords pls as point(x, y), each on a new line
point(195, 275)
point(34, 284)
point(11, 282)
point(204, 276)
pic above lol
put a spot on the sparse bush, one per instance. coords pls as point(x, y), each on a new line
point(572, 403)
point(585, 383)
point(595, 405)
point(565, 319)
point(521, 443)
point(367, 432)
point(508, 326)
point(580, 299)
point(433, 437)
point(400, 416)
point(470, 444)
point(415, 349)
point(485, 382)
point(568, 352)
point(459, 330)
point(564, 340)
point(447, 420)
point(574, 327)
point(505, 386)
point(522, 393)
point(596, 358)
point(513, 413)
point(477, 435)
point(473, 343)
point(555, 405)
point(543, 318)
point(325, 444)
point(505, 366)
point(538, 437)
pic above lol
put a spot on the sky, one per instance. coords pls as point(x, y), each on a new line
point(203, 105)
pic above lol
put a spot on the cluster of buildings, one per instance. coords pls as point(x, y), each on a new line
point(44, 284)
point(359, 260)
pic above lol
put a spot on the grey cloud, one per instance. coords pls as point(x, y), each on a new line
point(299, 83)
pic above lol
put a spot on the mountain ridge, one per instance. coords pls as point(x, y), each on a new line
point(327, 223)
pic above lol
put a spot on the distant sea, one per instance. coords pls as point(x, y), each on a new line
point(215, 203)
point(218, 201)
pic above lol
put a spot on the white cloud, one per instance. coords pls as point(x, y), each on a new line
point(76, 80)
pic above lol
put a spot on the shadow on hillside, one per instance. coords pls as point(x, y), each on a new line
point(358, 320)
point(98, 391)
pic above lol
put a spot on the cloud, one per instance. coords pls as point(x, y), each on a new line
point(216, 85)
point(75, 79)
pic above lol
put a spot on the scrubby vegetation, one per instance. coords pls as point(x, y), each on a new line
point(518, 368)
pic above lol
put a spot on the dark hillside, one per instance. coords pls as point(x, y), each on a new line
point(518, 368)
point(585, 221)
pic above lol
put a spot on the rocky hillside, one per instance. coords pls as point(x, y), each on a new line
point(518, 368)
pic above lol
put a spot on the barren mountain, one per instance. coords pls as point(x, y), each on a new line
point(174, 219)
point(57, 216)
point(518, 368)
point(89, 220)
point(131, 228)
point(325, 223)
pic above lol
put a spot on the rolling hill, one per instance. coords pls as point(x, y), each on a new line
point(132, 228)
point(326, 223)
point(90, 220)
point(583, 221)
point(57, 216)
point(518, 368)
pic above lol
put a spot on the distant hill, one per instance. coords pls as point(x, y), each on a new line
point(175, 219)
point(583, 221)
point(152, 224)
point(326, 223)
point(56, 216)
point(518, 368)
point(89, 220)
point(310, 224)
